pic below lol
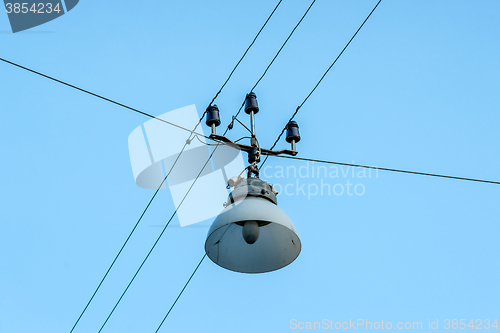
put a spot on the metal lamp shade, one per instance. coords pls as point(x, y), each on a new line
point(277, 245)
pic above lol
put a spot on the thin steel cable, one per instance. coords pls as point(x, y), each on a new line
point(244, 54)
point(116, 257)
point(393, 170)
point(157, 240)
point(126, 241)
point(276, 55)
point(340, 54)
point(322, 77)
point(282, 46)
point(178, 296)
point(99, 96)
point(245, 137)
point(234, 118)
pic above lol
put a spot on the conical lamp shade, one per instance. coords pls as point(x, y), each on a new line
point(277, 244)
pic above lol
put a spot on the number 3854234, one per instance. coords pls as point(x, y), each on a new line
point(36, 8)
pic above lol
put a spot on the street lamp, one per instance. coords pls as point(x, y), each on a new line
point(252, 234)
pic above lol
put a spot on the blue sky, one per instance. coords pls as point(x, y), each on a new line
point(417, 90)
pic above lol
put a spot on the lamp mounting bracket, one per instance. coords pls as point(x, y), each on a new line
point(248, 149)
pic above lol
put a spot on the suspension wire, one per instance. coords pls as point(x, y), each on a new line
point(321, 79)
point(277, 54)
point(126, 240)
point(178, 296)
point(392, 170)
point(157, 240)
point(234, 118)
point(286, 41)
point(245, 137)
point(208, 144)
point(99, 96)
point(244, 54)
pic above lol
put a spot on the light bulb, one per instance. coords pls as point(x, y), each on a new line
point(250, 231)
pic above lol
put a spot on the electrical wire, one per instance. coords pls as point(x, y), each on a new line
point(244, 54)
point(389, 169)
point(157, 240)
point(277, 54)
point(126, 241)
point(286, 41)
point(234, 118)
point(266, 159)
point(245, 137)
point(99, 96)
point(207, 144)
point(322, 77)
point(178, 296)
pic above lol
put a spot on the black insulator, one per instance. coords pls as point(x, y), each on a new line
point(213, 116)
point(254, 155)
point(292, 132)
point(251, 103)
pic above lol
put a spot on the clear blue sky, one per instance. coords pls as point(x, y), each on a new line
point(418, 89)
